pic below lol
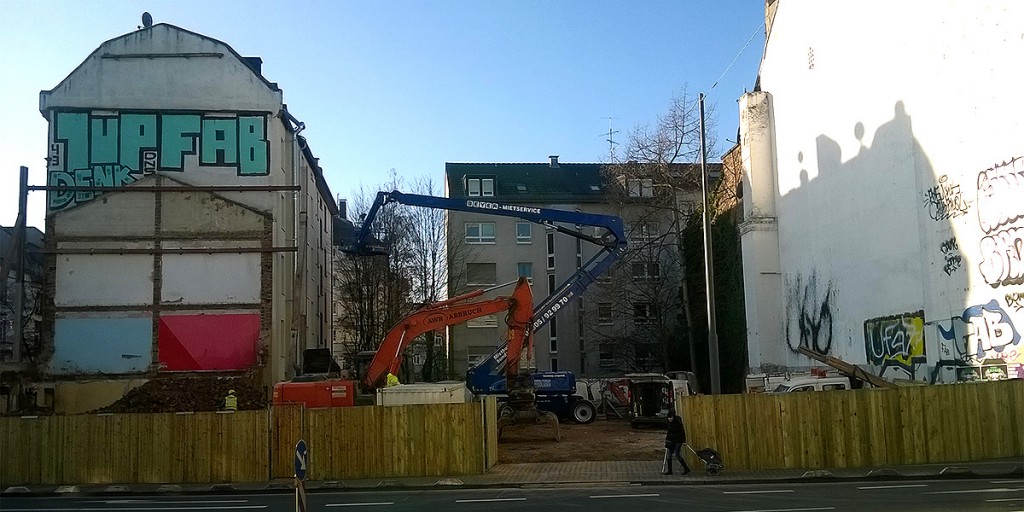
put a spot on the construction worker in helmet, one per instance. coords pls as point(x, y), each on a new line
point(392, 380)
point(231, 401)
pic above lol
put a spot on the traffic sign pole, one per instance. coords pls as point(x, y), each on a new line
point(301, 470)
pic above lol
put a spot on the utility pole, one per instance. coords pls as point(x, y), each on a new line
point(709, 264)
point(20, 241)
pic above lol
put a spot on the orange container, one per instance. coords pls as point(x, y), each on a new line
point(316, 394)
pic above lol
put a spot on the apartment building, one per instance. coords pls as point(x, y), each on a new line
point(619, 323)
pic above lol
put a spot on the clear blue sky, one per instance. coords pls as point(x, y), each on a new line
point(410, 85)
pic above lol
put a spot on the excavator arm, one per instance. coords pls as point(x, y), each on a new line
point(450, 312)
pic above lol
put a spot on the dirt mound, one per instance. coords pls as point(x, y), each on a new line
point(599, 441)
point(184, 394)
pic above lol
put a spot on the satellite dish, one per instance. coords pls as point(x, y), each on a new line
point(147, 20)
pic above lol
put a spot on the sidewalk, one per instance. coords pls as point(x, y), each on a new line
point(564, 474)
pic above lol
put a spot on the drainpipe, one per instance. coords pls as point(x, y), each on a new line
point(298, 177)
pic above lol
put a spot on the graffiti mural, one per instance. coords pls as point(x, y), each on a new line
point(809, 313)
point(89, 149)
point(1015, 300)
point(945, 200)
point(983, 343)
point(895, 341)
point(951, 252)
point(1000, 190)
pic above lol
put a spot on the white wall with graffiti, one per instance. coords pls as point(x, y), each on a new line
point(896, 160)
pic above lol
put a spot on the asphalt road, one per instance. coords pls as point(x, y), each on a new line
point(899, 496)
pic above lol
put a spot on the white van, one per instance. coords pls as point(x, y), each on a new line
point(812, 383)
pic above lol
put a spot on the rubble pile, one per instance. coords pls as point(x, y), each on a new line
point(184, 394)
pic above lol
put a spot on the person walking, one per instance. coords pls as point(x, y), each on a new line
point(674, 439)
point(231, 401)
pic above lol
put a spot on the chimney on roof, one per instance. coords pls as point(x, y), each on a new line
point(255, 64)
point(553, 161)
point(343, 208)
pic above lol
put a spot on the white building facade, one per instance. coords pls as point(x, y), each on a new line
point(884, 189)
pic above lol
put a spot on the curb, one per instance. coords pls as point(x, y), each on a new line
point(279, 487)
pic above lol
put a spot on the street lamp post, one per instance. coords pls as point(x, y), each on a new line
point(709, 265)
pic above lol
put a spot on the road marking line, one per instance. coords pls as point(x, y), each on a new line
point(108, 509)
point(787, 509)
point(359, 504)
point(162, 502)
point(1004, 482)
point(489, 500)
point(768, 491)
point(891, 486)
point(624, 496)
point(1005, 499)
point(973, 491)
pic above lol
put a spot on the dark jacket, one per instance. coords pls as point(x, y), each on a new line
point(676, 433)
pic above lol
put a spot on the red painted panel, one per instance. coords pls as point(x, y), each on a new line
point(208, 342)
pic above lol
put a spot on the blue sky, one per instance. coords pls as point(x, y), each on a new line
point(410, 85)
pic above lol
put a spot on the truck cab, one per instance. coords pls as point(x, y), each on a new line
point(652, 395)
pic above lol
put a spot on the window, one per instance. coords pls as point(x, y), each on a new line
point(551, 284)
point(483, 322)
point(554, 364)
point(606, 355)
point(477, 187)
point(579, 253)
point(643, 231)
point(524, 233)
point(551, 251)
point(604, 313)
point(481, 274)
point(525, 269)
point(643, 313)
point(641, 188)
point(553, 333)
point(646, 271)
point(479, 232)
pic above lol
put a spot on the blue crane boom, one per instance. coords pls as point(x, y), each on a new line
point(485, 378)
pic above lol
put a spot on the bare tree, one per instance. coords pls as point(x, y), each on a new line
point(375, 291)
point(435, 262)
point(658, 187)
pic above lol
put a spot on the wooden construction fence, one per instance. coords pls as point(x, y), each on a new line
point(134, 448)
point(249, 446)
point(842, 429)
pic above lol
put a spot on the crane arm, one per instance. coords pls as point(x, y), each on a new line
point(450, 312)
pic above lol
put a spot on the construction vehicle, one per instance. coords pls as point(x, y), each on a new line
point(521, 403)
point(558, 394)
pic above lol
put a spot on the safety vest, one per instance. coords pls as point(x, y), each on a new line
point(231, 403)
point(392, 380)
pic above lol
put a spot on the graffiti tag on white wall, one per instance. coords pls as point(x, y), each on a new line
point(1000, 206)
point(113, 150)
point(896, 340)
point(984, 336)
point(945, 200)
point(809, 313)
point(1015, 300)
point(951, 252)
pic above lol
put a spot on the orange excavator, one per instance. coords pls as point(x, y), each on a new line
point(461, 309)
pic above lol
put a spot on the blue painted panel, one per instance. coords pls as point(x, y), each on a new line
point(102, 345)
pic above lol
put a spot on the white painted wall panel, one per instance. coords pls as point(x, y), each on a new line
point(104, 280)
point(211, 278)
point(893, 142)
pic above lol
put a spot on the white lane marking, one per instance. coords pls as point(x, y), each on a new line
point(1005, 499)
point(786, 509)
point(904, 486)
point(490, 500)
point(766, 491)
point(974, 491)
point(108, 509)
point(162, 502)
point(1004, 482)
point(359, 504)
point(597, 497)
